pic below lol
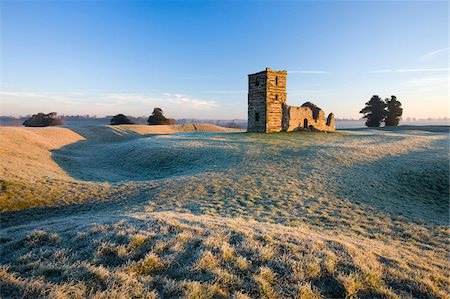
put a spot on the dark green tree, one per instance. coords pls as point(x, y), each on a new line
point(375, 111)
point(43, 120)
point(157, 118)
point(394, 112)
point(121, 119)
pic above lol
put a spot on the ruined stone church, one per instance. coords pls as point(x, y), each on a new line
point(268, 111)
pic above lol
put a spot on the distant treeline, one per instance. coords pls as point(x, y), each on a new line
point(233, 123)
point(70, 120)
point(94, 120)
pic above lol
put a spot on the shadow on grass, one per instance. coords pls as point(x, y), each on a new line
point(430, 128)
point(113, 154)
point(112, 206)
point(413, 185)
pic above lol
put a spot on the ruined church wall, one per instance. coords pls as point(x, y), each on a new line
point(301, 118)
point(330, 123)
point(267, 109)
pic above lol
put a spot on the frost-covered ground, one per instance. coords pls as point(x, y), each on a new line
point(200, 215)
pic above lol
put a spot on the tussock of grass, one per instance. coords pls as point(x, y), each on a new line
point(227, 252)
point(306, 291)
point(138, 240)
point(227, 280)
point(352, 284)
point(40, 238)
point(265, 279)
point(266, 252)
point(196, 290)
point(242, 263)
point(240, 295)
point(150, 264)
point(207, 262)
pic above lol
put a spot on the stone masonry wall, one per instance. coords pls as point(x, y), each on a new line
point(275, 99)
point(268, 112)
point(301, 118)
point(257, 102)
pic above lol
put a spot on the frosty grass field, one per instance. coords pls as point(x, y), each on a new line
point(107, 212)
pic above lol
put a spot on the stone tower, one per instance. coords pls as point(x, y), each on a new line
point(266, 98)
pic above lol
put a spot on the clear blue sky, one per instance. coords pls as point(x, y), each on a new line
point(192, 58)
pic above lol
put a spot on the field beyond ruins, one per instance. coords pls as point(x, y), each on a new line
point(199, 211)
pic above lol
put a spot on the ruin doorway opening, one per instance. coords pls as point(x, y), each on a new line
point(305, 123)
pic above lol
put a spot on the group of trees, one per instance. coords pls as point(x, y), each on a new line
point(43, 120)
point(157, 118)
point(121, 119)
point(51, 119)
point(378, 111)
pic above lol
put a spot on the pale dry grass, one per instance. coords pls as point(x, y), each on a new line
point(103, 258)
point(30, 177)
point(25, 152)
point(197, 270)
point(264, 216)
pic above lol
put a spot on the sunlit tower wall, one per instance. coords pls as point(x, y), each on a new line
point(266, 97)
